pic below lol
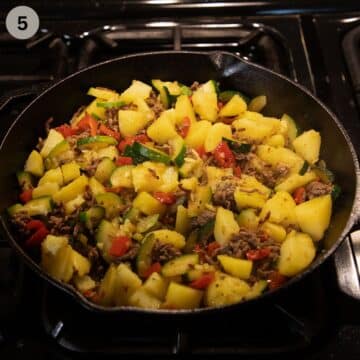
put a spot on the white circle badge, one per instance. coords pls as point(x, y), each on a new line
point(22, 22)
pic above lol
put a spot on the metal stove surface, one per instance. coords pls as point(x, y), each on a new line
point(315, 319)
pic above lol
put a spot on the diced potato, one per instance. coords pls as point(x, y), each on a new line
point(307, 145)
point(53, 138)
point(204, 101)
point(35, 164)
point(122, 177)
point(162, 129)
point(56, 257)
point(103, 93)
point(313, 216)
point(169, 237)
point(96, 187)
point(199, 199)
point(225, 290)
point(257, 289)
point(143, 107)
point(239, 268)
point(125, 285)
point(277, 140)
point(84, 283)
point(72, 190)
point(248, 219)
point(135, 91)
point(52, 175)
point(197, 134)
point(280, 209)
point(275, 231)
point(70, 171)
point(215, 135)
point(215, 174)
point(107, 287)
point(182, 297)
point(296, 253)
point(131, 122)
point(183, 108)
point(46, 189)
point(279, 155)
point(141, 298)
point(73, 204)
point(225, 226)
point(189, 184)
point(182, 223)
point(198, 270)
point(295, 181)
point(248, 182)
point(80, 263)
point(235, 106)
point(156, 286)
point(147, 204)
point(110, 152)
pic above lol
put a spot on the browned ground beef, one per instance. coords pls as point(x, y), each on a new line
point(195, 85)
point(269, 175)
point(203, 218)
point(111, 118)
point(20, 220)
point(317, 188)
point(130, 254)
point(162, 253)
point(155, 104)
point(224, 193)
point(91, 168)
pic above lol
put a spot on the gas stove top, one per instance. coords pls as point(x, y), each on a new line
point(317, 318)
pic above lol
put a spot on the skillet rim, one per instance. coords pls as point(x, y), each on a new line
point(69, 289)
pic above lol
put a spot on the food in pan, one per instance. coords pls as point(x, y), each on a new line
point(174, 197)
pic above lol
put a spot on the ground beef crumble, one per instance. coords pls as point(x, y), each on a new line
point(317, 188)
point(163, 253)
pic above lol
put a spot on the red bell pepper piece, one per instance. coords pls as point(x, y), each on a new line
point(258, 254)
point(299, 195)
point(185, 127)
point(124, 160)
point(155, 267)
point(66, 130)
point(204, 281)
point(237, 171)
point(276, 280)
point(120, 245)
point(34, 225)
point(224, 156)
point(88, 122)
point(37, 237)
point(142, 138)
point(26, 196)
point(165, 198)
point(211, 247)
point(104, 130)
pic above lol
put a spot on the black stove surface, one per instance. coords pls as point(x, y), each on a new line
point(314, 320)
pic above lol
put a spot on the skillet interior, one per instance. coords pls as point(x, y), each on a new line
point(63, 99)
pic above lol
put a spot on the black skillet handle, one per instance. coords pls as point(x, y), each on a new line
point(22, 92)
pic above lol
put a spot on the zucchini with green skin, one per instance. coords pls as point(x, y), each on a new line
point(62, 151)
point(34, 164)
point(96, 142)
point(14, 209)
point(110, 104)
point(121, 177)
point(179, 265)
point(112, 203)
point(92, 217)
point(292, 128)
point(144, 260)
point(25, 180)
point(147, 223)
point(104, 170)
point(104, 235)
point(141, 153)
point(226, 96)
point(304, 168)
point(178, 150)
point(39, 206)
point(237, 146)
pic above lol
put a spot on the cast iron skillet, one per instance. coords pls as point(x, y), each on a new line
point(61, 100)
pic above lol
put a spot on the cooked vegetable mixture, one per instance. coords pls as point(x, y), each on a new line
point(174, 197)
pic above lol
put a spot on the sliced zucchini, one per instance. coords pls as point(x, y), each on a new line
point(53, 138)
point(34, 164)
point(59, 152)
point(258, 103)
point(178, 150)
point(96, 142)
point(147, 223)
point(179, 265)
point(25, 180)
point(140, 153)
point(122, 177)
point(102, 93)
point(132, 214)
point(110, 104)
point(292, 129)
point(110, 152)
point(112, 203)
point(104, 170)
point(182, 223)
point(39, 206)
point(226, 96)
point(144, 260)
point(237, 146)
point(92, 217)
point(204, 100)
point(14, 209)
point(104, 235)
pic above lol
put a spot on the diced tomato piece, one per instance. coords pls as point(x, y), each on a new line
point(299, 195)
point(104, 130)
point(38, 236)
point(66, 130)
point(34, 225)
point(120, 245)
point(155, 267)
point(185, 127)
point(124, 160)
point(237, 171)
point(92, 295)
point(142, 138)
point(26, 196)
point(224, 157)
point(88, 122)
point(211, 247)
point(164, 197)
point(276, 280)
point(258, 254)
point(201, 151)
point(200, 251)
point(204, 281)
